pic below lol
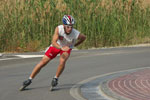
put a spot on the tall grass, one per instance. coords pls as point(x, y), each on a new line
point(28, 25)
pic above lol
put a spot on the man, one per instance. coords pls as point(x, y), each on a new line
point(64, 39)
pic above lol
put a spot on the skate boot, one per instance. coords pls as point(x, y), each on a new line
point(25, 84)
point(54, 83)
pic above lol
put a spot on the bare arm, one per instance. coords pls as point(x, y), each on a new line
point(81, 38)
point(55, 38)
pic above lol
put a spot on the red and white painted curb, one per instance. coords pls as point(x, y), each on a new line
point(135, 86)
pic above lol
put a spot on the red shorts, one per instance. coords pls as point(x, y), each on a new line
point(52, 52)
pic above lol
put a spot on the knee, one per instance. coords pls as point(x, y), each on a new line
point(65, 56)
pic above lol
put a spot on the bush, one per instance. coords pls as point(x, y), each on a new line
point(104, 22)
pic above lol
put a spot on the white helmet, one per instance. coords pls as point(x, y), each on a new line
point(68, 19)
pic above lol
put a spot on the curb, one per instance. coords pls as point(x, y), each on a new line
point(1, 54)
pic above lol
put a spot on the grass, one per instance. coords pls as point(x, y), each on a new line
point(28, 25)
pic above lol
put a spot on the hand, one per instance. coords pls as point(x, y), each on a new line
point(65, 48)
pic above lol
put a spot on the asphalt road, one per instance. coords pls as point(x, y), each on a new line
point(82, 64)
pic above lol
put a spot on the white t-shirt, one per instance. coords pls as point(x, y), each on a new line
point(67, 40)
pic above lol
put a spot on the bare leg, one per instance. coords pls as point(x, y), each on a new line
point(38, 67)
point(61, 66)
point(35, 71)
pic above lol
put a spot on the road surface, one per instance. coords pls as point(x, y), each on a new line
point(81, 65)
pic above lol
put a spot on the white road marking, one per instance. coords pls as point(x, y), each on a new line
point(29, 56)
point(8, 59)
point(22, 56)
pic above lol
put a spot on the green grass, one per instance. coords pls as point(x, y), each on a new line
point(28, 25)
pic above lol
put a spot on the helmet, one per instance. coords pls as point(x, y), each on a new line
point(68, 19)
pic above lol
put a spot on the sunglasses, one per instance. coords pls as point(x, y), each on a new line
point(69, 26)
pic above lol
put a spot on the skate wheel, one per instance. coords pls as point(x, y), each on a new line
point(51, 88)
point(22, 88)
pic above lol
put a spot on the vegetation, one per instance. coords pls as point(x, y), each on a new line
point(28, 25)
